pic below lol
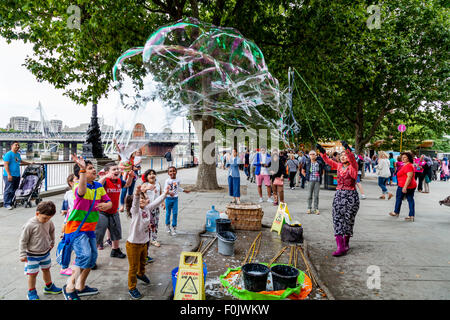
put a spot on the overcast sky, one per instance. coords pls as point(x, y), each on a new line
point(20, 94)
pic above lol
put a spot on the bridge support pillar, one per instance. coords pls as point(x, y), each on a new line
point(73, 148)
point(8, 146)
point(30, 152)
point(66, 152)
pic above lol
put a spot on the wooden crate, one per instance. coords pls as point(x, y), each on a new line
point(245, 216)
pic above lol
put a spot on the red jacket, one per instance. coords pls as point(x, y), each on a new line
point(346, 178)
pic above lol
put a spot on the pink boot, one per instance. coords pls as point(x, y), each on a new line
point(347, 242)
point(340, 246)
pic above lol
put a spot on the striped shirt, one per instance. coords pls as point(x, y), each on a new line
point(81, 207)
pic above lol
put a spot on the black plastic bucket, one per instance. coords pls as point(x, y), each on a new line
point(284, 277)
point(223, 225)
point(255, 276)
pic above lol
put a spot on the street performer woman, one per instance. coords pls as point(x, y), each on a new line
point(346, 199)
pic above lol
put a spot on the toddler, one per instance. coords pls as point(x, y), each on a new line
point(36, 241)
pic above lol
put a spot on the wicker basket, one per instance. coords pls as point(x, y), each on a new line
point(245, 216)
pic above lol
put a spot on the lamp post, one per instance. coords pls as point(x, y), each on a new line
point(191, 149)
point(93, 148)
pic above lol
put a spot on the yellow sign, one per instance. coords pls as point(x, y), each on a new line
point(281, 217)
point(190, 284)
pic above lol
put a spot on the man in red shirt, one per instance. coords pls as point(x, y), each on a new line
point(112, 183)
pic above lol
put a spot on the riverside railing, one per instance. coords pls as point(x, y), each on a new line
point(56, 172)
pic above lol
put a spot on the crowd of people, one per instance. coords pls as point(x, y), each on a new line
point(91, 209)
point(305, 169)
point(271, 168)
point(93, 201)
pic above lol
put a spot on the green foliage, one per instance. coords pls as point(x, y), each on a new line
point(367, 79)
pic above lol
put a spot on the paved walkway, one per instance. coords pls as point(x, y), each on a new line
point(413, 258)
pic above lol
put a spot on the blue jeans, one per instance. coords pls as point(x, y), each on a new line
point(382, 184)
point(126, 191)
point(85, 249)
point(409, 196)
point(391, 178)
point(171, 207)
point(10, 189)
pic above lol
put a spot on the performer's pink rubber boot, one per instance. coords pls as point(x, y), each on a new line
point(340, 241)
point(346, 242)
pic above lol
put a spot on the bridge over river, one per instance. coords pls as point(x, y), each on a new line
point(157, 142)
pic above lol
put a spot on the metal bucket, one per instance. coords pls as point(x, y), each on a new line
point(226, 242)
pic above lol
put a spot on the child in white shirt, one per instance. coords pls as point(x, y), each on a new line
point(172, 202)
point(139, 208)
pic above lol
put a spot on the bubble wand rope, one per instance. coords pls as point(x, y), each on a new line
point(303, 110)
point(315, 97)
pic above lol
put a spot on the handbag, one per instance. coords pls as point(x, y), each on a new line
point(278, 181)
point(64, 249)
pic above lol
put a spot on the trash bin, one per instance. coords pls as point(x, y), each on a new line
point(330, 178)
point(223, 225)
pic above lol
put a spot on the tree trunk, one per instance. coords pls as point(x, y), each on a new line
point(206, 175)
point(359, 128)
point(359, 143)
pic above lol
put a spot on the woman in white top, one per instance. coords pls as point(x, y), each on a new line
point(383, 172)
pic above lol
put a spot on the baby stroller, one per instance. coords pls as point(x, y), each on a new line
point(29, 186)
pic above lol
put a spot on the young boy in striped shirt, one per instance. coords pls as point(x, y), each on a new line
point(84, 244)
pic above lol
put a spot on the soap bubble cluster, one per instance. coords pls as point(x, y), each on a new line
point(196, 68)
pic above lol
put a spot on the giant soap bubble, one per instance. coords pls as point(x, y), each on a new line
point(196, 68)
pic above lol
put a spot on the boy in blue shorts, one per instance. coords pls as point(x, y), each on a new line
point(36, 241)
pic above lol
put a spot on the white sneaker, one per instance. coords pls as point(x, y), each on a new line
point(270, 200)
point(261, 200)
point(9, 207)
point(174, 231)
point(168, 229)
point(363, 196)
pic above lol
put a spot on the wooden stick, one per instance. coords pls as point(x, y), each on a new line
point(250, 249)
point(291, 253)
point(295, 256)
point(308, 270)
point(277, 256)
point(209, 245)
point(259, 245)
